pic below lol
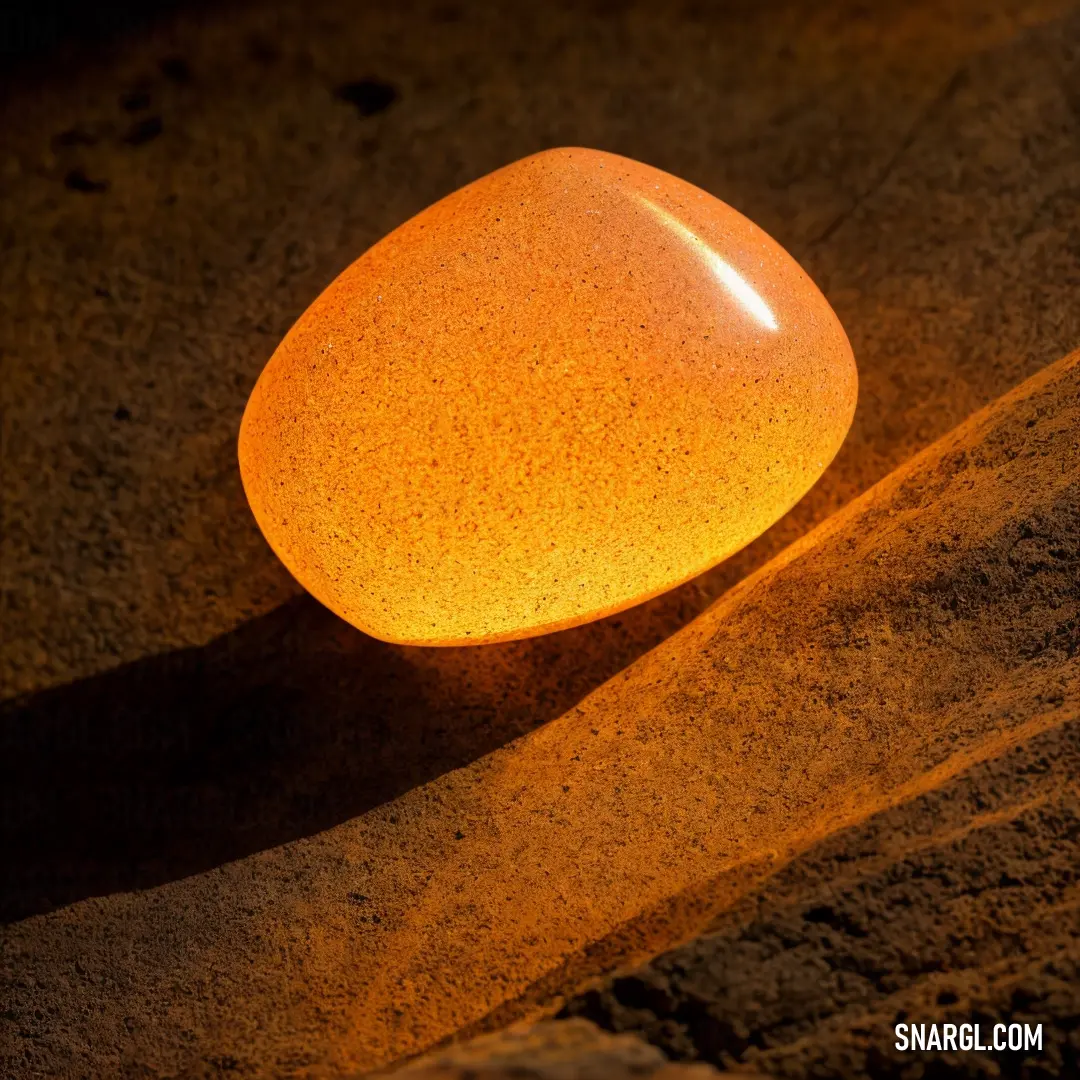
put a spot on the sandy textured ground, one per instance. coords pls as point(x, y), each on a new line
point(570, 1049)
point(169, 211)
point(960, 906)
point(928, 627)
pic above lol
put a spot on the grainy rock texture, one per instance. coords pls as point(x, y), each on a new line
point(957, 907)
point(567, 1050)
point(928, 626)
point(168, 210)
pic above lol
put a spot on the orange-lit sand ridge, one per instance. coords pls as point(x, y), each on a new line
point(560, 390)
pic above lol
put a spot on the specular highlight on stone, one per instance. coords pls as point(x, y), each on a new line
point(563, 389)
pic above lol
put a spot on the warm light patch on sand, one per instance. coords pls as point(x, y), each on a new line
point(837, 681)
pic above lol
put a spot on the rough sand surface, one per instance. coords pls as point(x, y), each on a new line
point(930, 188)
point(564, 1050)
point(929, 625)
point(961, 906)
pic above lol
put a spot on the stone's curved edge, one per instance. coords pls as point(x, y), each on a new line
point(571, 417)
point(946, 457)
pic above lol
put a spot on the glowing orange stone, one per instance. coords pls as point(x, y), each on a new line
point(563, 389)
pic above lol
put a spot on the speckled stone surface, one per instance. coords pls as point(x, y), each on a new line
point(919, 159)
point(568, 387)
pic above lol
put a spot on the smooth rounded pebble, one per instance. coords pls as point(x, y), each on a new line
point(565, 388)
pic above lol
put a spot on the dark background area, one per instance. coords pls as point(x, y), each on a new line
point(29, 30)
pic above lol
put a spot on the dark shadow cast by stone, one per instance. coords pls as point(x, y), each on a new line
point(286, 726)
